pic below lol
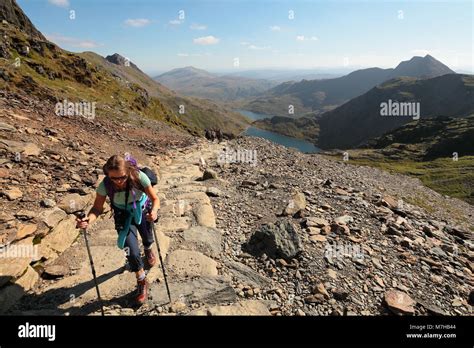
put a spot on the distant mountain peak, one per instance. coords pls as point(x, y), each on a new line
point(120, 60)
point(186, 72)
point(193, 69)
point(417, 66)
point(13, 14)
point(190, 67)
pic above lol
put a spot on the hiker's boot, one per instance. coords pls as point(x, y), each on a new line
point(142, 291)
point(150, 257)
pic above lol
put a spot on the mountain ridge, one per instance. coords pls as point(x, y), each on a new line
point(447, 95)
point(37, 66)
point(196, 82)
point(314, 97)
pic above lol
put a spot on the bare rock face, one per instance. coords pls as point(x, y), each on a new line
point(13, 14)
point(117, 59)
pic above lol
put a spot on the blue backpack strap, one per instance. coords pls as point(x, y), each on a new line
point(109, 188)
point(124, 232)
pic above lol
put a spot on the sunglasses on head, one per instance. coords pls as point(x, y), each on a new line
point(119, 178)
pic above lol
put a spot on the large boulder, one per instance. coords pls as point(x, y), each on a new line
point(295, 204)
point(399, 302)
point(276, 240)
point(73, 203)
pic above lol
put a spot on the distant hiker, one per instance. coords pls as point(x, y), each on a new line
point(210, 134)
point(125, 182)
point(207, 134)
point(219, 135)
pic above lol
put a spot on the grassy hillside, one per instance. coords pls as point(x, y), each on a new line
point(444, 175)
point(426, 150)
point(200, 83)
point(301, 128)
point(359, 120)
point(54, 74)
point(314, 97)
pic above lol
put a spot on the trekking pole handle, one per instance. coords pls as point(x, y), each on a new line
point(81, 215)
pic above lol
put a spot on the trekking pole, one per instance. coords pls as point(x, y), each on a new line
point(81, 215)
point(161, 260)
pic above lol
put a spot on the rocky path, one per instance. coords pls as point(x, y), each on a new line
point(190, 245)
point(291, 234)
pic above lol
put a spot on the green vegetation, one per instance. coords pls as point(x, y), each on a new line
point(121, 92)
point(278, 106)
point(301, 128)
point(454, 178)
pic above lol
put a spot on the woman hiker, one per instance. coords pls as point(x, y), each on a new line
point(124, 182)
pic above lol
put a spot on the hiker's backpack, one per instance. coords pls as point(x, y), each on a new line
point(109, 187)
point(151, 175)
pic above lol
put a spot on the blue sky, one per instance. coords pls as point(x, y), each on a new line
point(211, 34)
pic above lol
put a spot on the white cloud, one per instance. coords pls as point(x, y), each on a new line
point(275, 28)
point(175, 22)
point(198, 27)
point(60, 3)
point(73, 42)
point(206, 40)
point(137, 22)
point(183, 54)
point(304, 38)
point(253, 47)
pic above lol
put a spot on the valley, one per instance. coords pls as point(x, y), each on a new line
point(321, 188)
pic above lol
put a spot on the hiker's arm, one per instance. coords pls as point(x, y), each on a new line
point(97, 208)
point(154, 198)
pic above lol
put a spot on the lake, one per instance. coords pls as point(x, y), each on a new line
point(301, 145)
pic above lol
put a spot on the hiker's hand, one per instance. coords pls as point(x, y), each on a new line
point(82, 223)
point(152, 216)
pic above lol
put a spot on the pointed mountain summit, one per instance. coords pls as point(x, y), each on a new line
point(118, 59)
point(13, 14)
point(425, 67)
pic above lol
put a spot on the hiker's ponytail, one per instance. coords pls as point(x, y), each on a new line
point(133, 174)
